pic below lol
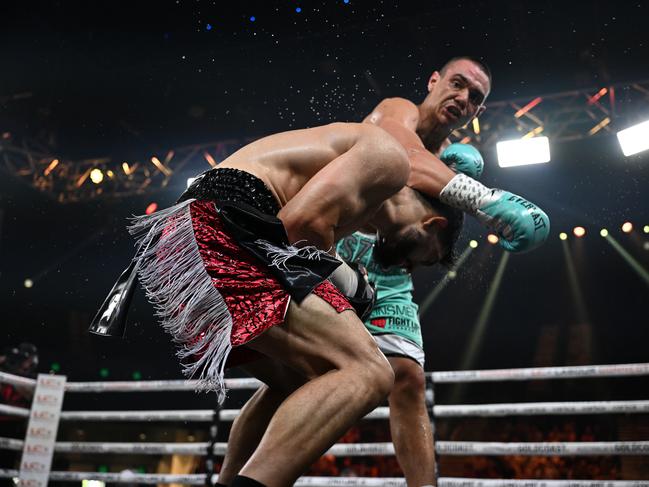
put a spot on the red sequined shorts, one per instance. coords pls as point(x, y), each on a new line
point(254, 297)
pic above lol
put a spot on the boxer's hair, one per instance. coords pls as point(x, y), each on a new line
point(449, 236)
point(483, 66)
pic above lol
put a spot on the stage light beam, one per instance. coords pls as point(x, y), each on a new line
point(428, 300)
point(563, 236)
point(575, 288)
point(473, 244)
point(480, 326)
point(634, 264)
point(603, 232)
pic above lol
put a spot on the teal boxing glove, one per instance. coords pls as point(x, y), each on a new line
point(463, 158)
point(522, 225)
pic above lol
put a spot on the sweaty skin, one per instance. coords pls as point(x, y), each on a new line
point(454, 99)
point(328, 180)
point(272, 411)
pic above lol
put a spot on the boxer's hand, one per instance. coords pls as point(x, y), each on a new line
point(463, 158)
point(522, 225)
point(351, 279)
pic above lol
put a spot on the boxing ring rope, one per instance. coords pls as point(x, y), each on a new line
point(457, 448)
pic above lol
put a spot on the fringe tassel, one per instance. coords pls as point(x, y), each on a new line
point(181, 291)
point(281, 254)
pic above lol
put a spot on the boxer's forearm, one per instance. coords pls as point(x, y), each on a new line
point(428, 173)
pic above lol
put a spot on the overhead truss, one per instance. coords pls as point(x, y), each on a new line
point(565, 116)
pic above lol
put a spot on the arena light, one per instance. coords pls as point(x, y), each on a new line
point(51, 167)
point(492, 239)
point(579, 231)
point(93, 483)
point(627, 227)
point(521, 152)
point(452, 274)
point(160, 166)
point(645, 229)
point(593, 99)
point(473, 244)
point(96, 176)
point(563, 236)
point(28, 283)
point(533, 132)
point(599, 126)
point(634, 139)
point(151, 208)
point(528, 107)
point(210, 160)
point(603, 232)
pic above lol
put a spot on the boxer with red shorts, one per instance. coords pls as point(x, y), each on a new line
point(246, 259)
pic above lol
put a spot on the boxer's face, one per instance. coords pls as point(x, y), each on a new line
point(456, 96)
point(413, 245)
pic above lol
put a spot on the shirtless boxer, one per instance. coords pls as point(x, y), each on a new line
point(242, 260)
point(455, 96)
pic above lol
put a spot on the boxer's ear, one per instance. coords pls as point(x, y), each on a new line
point(438, 222)
point(434, 78)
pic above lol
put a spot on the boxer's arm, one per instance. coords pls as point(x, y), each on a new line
point(341, 193)
point(398, 117)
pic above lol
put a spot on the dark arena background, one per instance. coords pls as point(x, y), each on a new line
point(107, 108)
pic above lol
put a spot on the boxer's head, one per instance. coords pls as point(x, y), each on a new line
point(456, 94)
point(425, 234)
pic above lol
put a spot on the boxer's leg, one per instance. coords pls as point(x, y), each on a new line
point(348, 375)
point(410, 425)
point(251, 423)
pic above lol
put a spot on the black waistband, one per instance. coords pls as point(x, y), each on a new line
point(234, 185)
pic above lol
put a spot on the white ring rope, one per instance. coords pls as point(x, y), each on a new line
point(17, 380)
point(581, 371)
point(560, 449)
point(14, 411)
point(453, 448)
point(199, 479)
point(618, 370)
point(539, 408)
point(460, 410)
point(469, 482)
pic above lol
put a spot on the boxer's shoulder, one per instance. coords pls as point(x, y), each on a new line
point(399, 109)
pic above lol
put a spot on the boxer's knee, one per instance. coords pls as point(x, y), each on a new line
point(373, 374)
point(409, 381)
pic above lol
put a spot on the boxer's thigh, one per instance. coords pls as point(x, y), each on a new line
point(315, 339)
